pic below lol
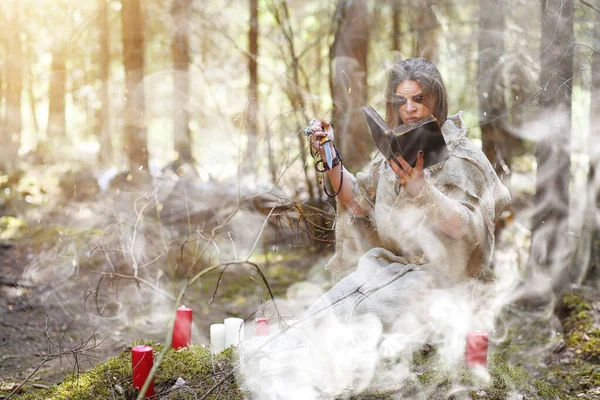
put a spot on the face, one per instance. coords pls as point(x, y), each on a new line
point(410, 101)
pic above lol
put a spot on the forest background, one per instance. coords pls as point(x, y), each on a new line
point(149, 145)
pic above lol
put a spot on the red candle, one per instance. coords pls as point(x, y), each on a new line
point(141, 363)
point(477, 349)
point(182, 330)
point(262, 327)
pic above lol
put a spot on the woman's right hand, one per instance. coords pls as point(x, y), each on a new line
point(320, 129)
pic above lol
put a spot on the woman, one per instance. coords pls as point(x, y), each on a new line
point(420, 240)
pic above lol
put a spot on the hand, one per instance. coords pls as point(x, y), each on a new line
point(320, 129)
point(411, 179)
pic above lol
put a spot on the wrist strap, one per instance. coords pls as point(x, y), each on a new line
point(337, 160)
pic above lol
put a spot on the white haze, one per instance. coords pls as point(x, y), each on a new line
point(343, 358)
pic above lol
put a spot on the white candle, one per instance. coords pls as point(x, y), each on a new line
point(217, 337)
point(234, 331)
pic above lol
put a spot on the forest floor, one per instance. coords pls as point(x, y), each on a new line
point(44, 338)
point(50, 301)
point(57, 317)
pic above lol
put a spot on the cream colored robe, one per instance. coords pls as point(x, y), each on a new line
point(398, 256)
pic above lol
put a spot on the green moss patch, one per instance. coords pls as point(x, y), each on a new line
point(12, 228)
point(200, 371)
point(582, 335)
point(112, 379)
point(433, 379)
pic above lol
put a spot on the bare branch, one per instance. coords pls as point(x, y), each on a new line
point(137, 280)
point(593, 7)
point(74, 352)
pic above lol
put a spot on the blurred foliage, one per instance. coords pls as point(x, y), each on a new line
point(218, 74)
point(11, 228)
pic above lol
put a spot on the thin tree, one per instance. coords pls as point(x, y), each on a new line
point(550, 254)
point(14, 87)
point(396, 7)
point(103, 115)
point(492, 106)
point(348, 82)
point(588, 266)
point(62, 45)
point(427, 29)
point(3, 68)
point(31, 92)
point(57, 124)
point(181, 61)
point(293, 88)
point(252, 113)
point(133, 59)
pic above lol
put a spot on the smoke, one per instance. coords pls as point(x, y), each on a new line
point(138, 235)
point(337, 359)
point(343, 358)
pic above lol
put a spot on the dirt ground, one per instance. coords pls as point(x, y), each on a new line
point(55, 319)
point(33, 331)
point(40, 322)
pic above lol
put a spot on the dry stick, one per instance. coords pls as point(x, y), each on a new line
point(591, 6)
point(166, 346)
point(167, 343)
point(28, 378)
point(74, 351)
point(169, 334)
point(212, 298)
point(133, 237)
point(137, 280)
point(16, 283)
point(215, 230)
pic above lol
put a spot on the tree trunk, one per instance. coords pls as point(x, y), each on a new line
point(587, 267)
point(133, 59)
point(550, 256)
point(14, 79)
point(57, 125)
point(427, 29)
point(181, 59)
point(103, 114)
point(3, 68)
point(252, 116)
point(348, 82)
point(496, 142)
point(396, 7)
point(32, 103)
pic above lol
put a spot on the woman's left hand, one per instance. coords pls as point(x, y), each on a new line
point(411, 179)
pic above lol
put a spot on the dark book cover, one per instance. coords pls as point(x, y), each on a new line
point(407, 139)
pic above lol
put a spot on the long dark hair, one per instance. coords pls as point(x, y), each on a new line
point(434, 90)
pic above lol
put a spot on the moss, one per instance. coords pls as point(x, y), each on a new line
point(98, 383)
point(373, 396)
point(280, 277)
point(236, 287)
point(434, 379)
point(12, 228)
point(201, 371)
point(195, 365)
point(581, 334)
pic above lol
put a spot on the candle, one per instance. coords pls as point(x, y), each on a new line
point(217, 337)
point(141, 363)
point(182, 329)
point(234, 331)
point(477, 349)
point(262, 327)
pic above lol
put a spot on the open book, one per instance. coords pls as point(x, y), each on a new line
point(407, 139)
